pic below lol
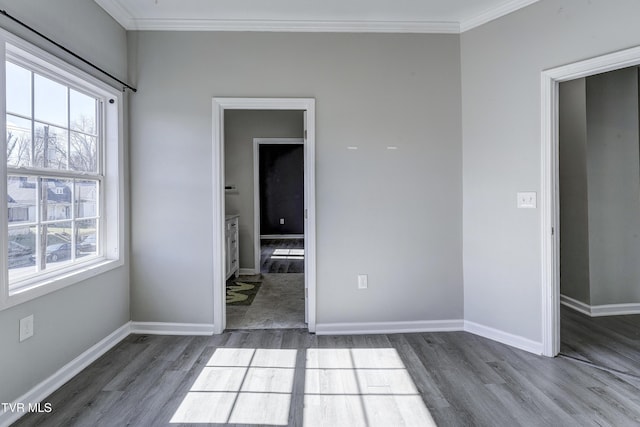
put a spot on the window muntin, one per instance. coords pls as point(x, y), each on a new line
point(54, 174)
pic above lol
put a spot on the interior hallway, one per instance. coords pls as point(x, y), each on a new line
point(279, 303)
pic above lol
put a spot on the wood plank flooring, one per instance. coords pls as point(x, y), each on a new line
point(289, 377)
point(275, 256)
point(612, 342)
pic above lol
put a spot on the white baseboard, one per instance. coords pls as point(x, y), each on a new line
point(45, 388)
point(600, 310)
point(576, 305)
point(161, 328)
point(614, 309)
point(503, 337)
point(389, 327)
point(247, 271)
point(429, 326)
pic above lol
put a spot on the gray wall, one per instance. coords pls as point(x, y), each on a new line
point(240, 127)
point(574, 212)
point(614, 187)
point(501, 66)
point(395, 215)
point(69, 321)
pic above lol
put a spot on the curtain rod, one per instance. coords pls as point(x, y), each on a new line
point(33, 30)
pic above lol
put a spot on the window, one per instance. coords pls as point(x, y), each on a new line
point(62, 170)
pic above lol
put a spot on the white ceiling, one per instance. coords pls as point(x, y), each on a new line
point(402, 16)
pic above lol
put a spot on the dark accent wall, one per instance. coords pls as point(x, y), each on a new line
point(281, 188)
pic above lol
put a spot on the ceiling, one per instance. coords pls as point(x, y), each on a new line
point(397, 16)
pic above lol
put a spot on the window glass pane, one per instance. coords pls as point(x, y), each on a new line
point(18, 90)
point(84, 152)
point(83, 112)
point(56, 201)
point(50, 101)
point(21, 254)
point(18, 141)
point(54, 148)
point(58, 243)
point(87, 238)
point(86, 199)
point(21, 197)
point(50, 145)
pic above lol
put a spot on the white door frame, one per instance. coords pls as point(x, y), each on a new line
point(256, 189)
point(550, 203)
point(307, 105)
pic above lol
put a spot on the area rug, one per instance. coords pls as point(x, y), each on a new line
point(242, 292)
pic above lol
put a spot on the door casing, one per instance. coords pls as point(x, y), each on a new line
point(219, 105)
point(549, 194)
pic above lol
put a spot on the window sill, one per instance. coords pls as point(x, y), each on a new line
point(38, 287)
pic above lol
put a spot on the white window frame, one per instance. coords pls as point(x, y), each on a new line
point(111, 237)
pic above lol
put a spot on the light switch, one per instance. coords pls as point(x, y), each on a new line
point(527, 200)
point(363, 281)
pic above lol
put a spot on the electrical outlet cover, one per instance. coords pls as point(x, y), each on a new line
point(26, 328)
point(527, 200)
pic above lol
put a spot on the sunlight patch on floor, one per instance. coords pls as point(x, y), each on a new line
point(361, 387)
point(238, 385)
point(342, 387)
point(288, 254)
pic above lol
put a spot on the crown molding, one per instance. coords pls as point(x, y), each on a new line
point(494, 13)
point(118, 10)
point(294, 26)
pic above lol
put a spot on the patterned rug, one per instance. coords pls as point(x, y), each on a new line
point(242, 291)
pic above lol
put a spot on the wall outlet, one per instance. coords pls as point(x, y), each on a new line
point(282, 221)
point(527, 200)
point(26, 328)
point(363, 281)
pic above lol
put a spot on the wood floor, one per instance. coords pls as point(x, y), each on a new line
point(289, 377)
point(282, 256)
point(612, 342)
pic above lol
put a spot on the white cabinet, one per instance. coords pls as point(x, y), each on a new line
point(232, 257)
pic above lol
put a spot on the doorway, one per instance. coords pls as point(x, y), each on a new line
point(307, 107)
point(599, 178)
point(550, 201)
point(278, 171)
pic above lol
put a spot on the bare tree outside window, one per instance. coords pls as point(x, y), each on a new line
point(83, 148)
point(18, 142)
